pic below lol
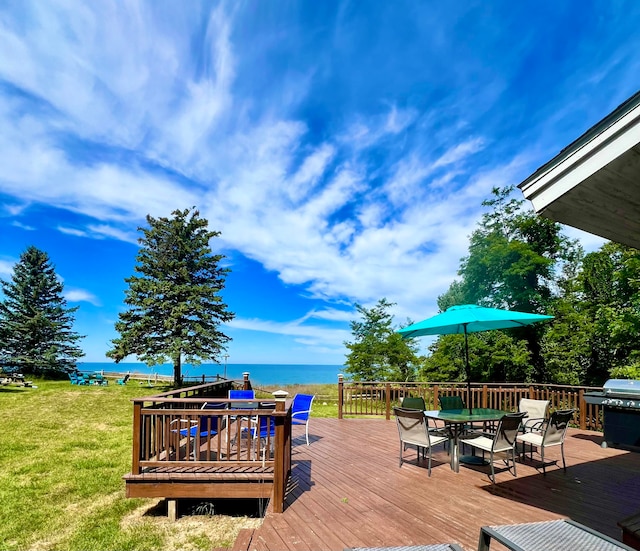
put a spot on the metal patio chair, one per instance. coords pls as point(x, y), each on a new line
point(503, 441)
point(551, 433)
point(413, 429)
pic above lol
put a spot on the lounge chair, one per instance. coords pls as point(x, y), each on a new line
point(433, 547)
point(413, 429)
point(551, 433)
point(559, 535)
point(124, 379)
point(503, 441)
point(301, 410)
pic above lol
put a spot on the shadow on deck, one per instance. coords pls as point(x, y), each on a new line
point(346, 490)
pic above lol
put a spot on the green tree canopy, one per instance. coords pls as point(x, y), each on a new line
point(175, 307)
point(36, 327)
point(378, 352)
point(597, 320)
point(516, 261)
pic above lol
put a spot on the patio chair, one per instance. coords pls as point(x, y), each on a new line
point(413, 429)
point(456, 402)
point(451, 402)
point(76, 378)
point(264, 428)
point(124, 379)
point(249, 396)
point(413, 402)
point(301, 410)
point(536, 411)
point(206, 426)
point(503, 441)
point(552, 433)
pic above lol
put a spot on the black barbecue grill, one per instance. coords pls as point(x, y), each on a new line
point(620, 401)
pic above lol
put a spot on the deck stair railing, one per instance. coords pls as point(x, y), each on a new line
point(169, 434)
point(362, 398)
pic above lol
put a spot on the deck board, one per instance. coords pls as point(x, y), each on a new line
point(347, 490)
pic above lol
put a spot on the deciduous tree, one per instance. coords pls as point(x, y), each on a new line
point(378, 352)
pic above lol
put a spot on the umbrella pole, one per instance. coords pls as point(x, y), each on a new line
point(466, 359)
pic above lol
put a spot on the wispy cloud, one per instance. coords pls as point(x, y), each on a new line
point(22, 226)
point(350, 163)
point(81, 295)
point(6, 269)
point(72, 231)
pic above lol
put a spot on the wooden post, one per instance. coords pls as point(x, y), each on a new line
point(246, 385)
point(340, 394)
point(387, 401)
point(583, 411)
point(137, 423)
point(485, 396)
point(435, 396)
point(279, 474)
point(172, 509)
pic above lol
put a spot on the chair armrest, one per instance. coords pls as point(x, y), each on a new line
point(301, 412)
point(537, 426)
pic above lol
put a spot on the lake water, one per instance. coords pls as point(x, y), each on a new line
point(264, 374)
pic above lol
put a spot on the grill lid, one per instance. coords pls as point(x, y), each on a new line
point(622, 386)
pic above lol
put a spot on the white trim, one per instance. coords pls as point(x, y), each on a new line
point(543, 189)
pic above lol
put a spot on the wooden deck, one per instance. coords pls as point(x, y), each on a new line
point(347, 490)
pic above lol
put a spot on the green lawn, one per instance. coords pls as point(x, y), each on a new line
point(64, 450)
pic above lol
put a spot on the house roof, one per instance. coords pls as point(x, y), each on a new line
point(594, 183)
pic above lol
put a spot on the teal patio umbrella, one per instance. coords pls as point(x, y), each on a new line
point(470, 318)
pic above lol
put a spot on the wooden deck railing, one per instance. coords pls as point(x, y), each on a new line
point(162, 439)
point(378, 398)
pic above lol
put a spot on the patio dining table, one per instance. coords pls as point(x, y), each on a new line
point(455, 421)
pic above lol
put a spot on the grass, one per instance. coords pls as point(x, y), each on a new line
point(64, 450)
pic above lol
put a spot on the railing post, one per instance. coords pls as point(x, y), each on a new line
point(387, 401)
point(137, 423)
point(245, 381)
point(340, 394)
point(485, 396)
point(435, 396)
point(279, 474)
point(583, 410)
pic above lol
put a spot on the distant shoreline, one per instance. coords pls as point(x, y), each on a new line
point(260, 374)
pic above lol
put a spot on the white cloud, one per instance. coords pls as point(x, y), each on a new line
point(22, 226)
point(81, 295)
point(103, 230)
point(72, 231)
point(6, 269)
point(296, 328)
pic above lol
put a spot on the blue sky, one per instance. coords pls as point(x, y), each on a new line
point(343, 149)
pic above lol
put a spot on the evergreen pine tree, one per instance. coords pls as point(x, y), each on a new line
point(175, 307)
point(36, 335)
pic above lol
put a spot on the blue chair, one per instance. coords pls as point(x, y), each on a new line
point(208, 425)
point(77, 378)
point(300, 411)
point(241, 395)
point(248, 395)
point(124, 379)
point(264, 428)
